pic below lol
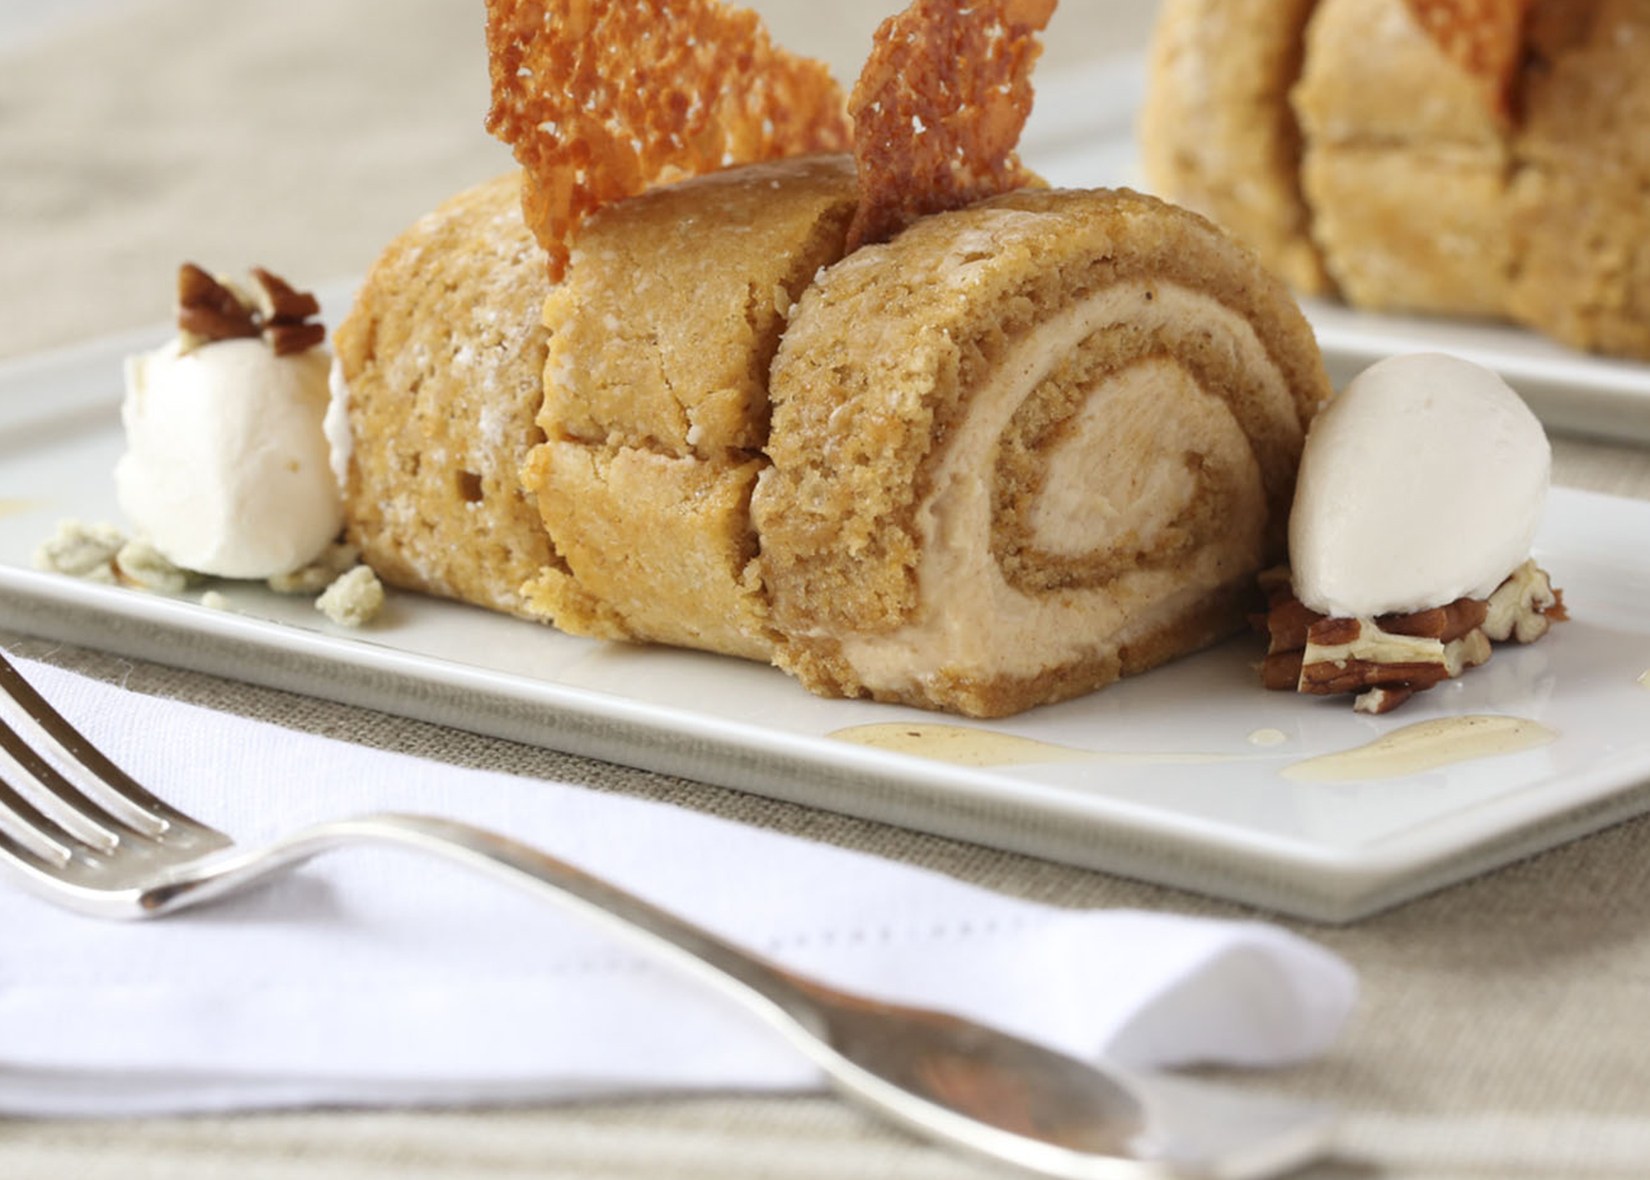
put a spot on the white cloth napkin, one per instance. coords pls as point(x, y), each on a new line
point(375, 976)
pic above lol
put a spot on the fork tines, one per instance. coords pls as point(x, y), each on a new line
point(58, 793)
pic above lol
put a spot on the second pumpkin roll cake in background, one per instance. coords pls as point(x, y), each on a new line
point(1405, 165)
point(1580, 197)
point(1480, 158)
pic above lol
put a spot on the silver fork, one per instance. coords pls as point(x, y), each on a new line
point(79, 832)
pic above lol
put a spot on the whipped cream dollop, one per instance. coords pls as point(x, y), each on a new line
point(227, 468)
point(1422, 483)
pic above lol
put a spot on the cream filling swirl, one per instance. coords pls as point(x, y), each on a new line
point(1118, 471)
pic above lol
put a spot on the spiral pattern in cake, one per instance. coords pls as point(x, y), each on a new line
point(1028, 448)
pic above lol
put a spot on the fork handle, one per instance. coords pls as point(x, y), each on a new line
point(800, 1009)
point(783, 998)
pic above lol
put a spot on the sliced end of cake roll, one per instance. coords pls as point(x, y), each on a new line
point(440, 366)
point(1405, 165)
point(656, 399)
point(1217, 132)
point(1581, 192)
point(1028, 448)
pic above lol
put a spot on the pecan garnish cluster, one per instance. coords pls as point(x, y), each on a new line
point(1388, 659)
point(211, 309)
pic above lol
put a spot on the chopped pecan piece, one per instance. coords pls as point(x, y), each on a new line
point(1469, 651)
point(1387, 660)
point(280, 303)
point(1290, 623)
point(212, 309)
point(286, 313)
point(1333, 677)
point(1446, 623)
point(287, 339)
point(1383, 699)
point(1282, 670)
point(1524, 607)
point(1334, 632)
point(209, 311)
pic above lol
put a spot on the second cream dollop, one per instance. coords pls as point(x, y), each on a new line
point(1422, 483)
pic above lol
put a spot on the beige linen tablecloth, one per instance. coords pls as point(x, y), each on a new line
point(1502, 1031)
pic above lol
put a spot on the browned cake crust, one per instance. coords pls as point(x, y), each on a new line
point(656, 399)
point(443, 358)
point(1027, 448)
point(1217, 133)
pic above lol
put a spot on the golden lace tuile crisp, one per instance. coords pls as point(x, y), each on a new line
point(939, 108)
point(601, 98)
point(1484, 37)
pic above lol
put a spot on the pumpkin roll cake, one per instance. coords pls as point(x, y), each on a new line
point(1017, 452)
point(893, 422)
point(439, 374)
point(1028, 448)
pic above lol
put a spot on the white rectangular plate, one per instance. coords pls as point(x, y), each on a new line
point(1174, 792)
